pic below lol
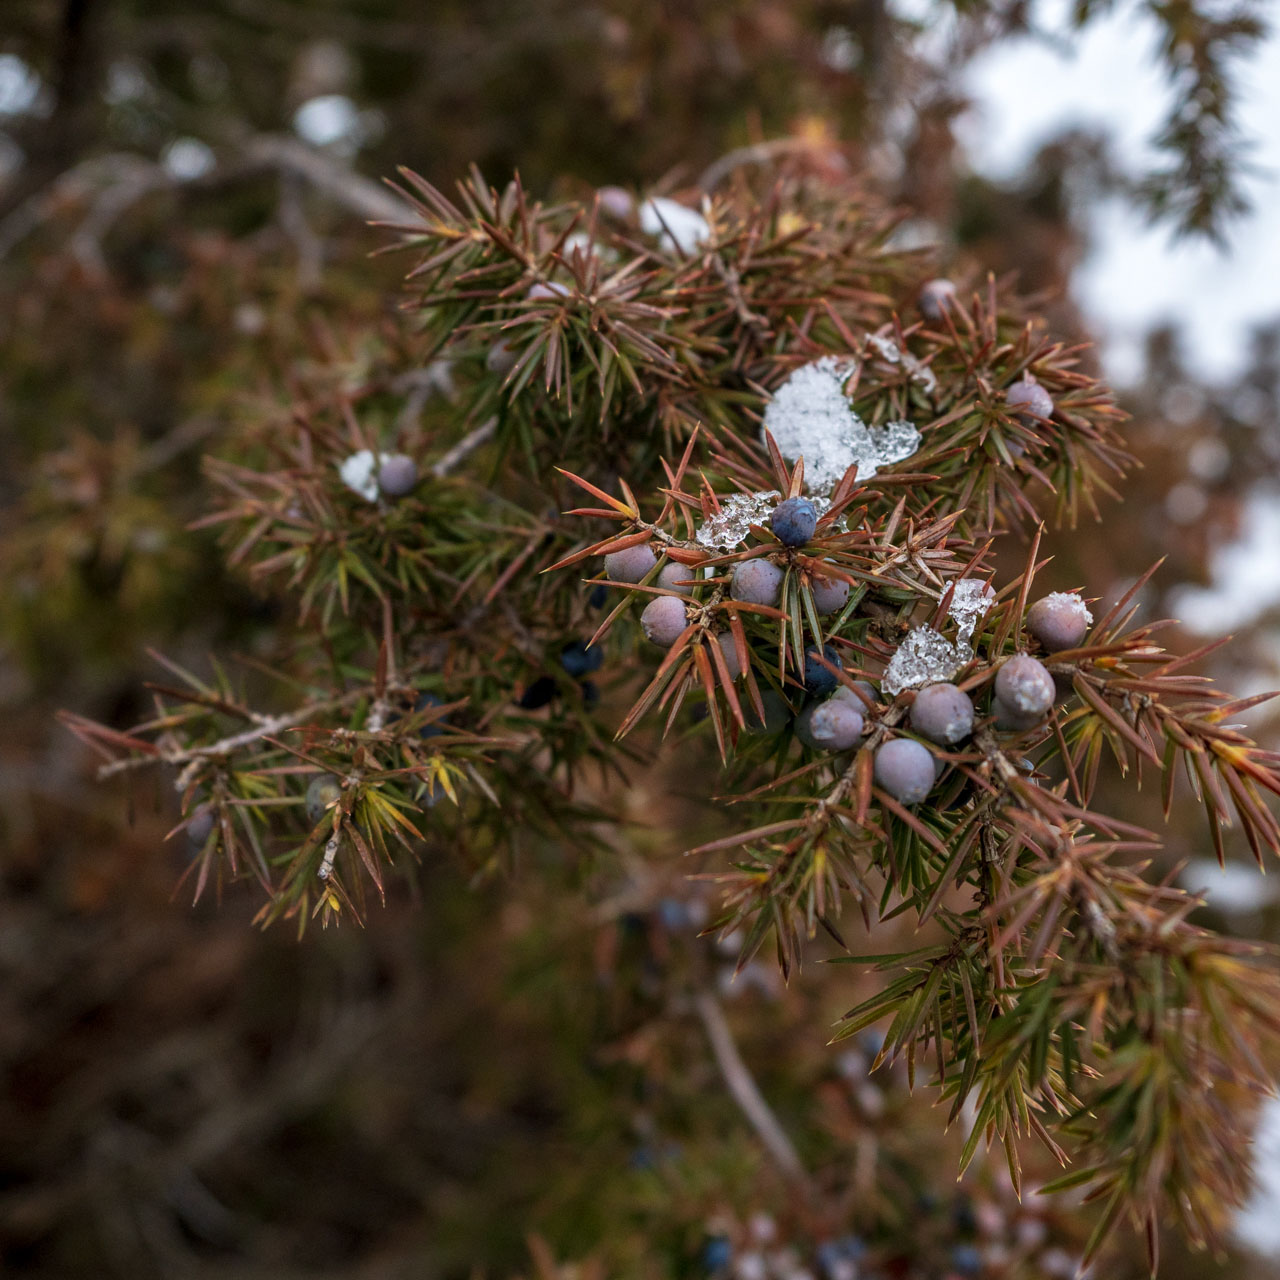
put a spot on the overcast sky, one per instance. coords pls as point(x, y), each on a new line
point(1135, 277)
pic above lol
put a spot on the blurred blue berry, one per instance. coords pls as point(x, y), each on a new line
point(717, 1253)
point(542, 691)
point(579, 659)
point(428, 702)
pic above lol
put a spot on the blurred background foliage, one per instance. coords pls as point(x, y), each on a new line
point(512, 1077)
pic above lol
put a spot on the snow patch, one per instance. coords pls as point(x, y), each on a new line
point(676, 227)
point(810, 417)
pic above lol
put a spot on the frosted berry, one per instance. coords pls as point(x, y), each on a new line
point(942, 713)
point(729, 647)
point(323, 791)
point(851, 695)
point(1059, 621)
point(935, 297)
point(1011, 721)
point(501, 357)
point(830, 595)
point(776, 712)
point(631, 564)
point(199, 828)
point(1030, 397)
point(1025, 686)
point(663, 620)
point(904, 768)
point(677, 577)
point(590, 692)
point(818, 681)
point(833, 725)
point(541, 692)
point(794, 521)
point(547, 289)
point(580, 660)
point(398, 475)
point(617, 202)
point(757, 582)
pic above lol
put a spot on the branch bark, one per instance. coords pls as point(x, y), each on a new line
point(746, 1093)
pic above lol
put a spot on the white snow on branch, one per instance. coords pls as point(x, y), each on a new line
point(811, 418)
point(677, 227)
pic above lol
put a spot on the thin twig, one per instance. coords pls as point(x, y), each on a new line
point(746, 1093)
point(224, 746)
point(465, 447)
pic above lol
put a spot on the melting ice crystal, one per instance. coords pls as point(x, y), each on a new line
point(739, 511)
point(970, 601)
point(924, 657)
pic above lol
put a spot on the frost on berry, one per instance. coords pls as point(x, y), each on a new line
point(1011, 721)
point(677, 577)
point(830, 595)
point(942, 713)
point(757, 582)
point(397, 475)
point(834, 725)
point(663, 620)
point(1030, 397)
point(794, 521)
point(853, 695)
point(631, 564)
point(924, 657)
point(617, 202)
point(810, 417)
point(1025, 686)
point(934, 299)
point(1059, 621)
point(905, 769)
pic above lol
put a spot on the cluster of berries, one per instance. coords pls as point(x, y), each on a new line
point(839, 714)
point(579, 661)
